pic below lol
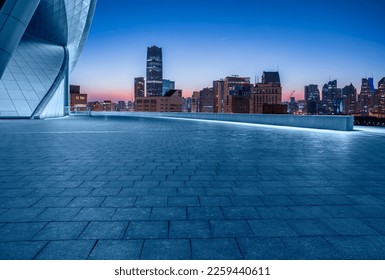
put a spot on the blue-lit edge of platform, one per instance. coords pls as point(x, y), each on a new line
point(340, 123)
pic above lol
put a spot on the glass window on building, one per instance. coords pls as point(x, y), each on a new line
point(1, 4)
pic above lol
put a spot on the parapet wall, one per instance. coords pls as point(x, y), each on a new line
point(342, 123)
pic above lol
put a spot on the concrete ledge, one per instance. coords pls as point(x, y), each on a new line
point(342, 123)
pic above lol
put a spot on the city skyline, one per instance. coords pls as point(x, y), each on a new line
point(310, 43)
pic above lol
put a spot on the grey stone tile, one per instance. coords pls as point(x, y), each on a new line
point(117, 250)
point(131, 214)
point(52, 202)
point(191, 191)
point(216, 249)
point(372, 211)
point(231, 228)
point(210, 201)
point(19, 231)
point(18, 202)
point(172, 249)
point(183, 201)
point(189, 229)
point(204, 213)
point(246, 200)
point(84, 201)
point(66, 250)
point(147, 230)
point(162, 192)
point(58, 214)
point(271, 228)
point(356, 248)
point(151, 201)
point(133, 192)
point(267, 248)
point(95, 214)
point(104, 230)
point(20, 250)
point(242, 213)
point(61, 231)
point(121, 201)
point(309, 248)
point(350, 226)
point(378, 224)
point(105, 191)
point(306, 200)
point(21, 215)
point(313, 227)
point(342, 211)
point(168, 213)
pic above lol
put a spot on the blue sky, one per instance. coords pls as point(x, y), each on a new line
point(204, 41)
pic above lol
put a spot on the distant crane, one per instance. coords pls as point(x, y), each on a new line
point(291, 94)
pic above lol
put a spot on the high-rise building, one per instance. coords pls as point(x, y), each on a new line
point(231, 95)
point(371, 85)
point(139, 87)
point(167, 85)
point(331, 99)
point(40, 44)
point(206, 99)
point(379, 104)
point(364, 98)
point(312, 99)
point(195, 100)
point(154, 82)
point(220, 89)
point(121, 106)
point(269, 91)
point(238, 95)
point(349, 97)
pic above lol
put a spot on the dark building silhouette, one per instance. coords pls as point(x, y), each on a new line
point(312, 98)
point(349, 95)
point(364, 98)
point(206, 97)
point(139, 87)
point(154, 83)
point(379, 96)
point(331, 99)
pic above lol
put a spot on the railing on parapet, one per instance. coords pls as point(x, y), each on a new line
point(78, 111)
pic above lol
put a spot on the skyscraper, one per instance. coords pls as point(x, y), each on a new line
point(349, 96)
point(167, 85)
point(364, 98)
point(312, 99)
point(139, 87)
point(380, 97)
point(154, 81)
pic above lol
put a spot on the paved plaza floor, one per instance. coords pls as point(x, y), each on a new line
point(143, 188)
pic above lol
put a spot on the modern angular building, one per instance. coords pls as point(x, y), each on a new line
point(139, 87)
point(40, 44)
point(312, 99)
point(154, 79)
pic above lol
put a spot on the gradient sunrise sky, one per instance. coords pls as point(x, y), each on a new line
point(202, 41)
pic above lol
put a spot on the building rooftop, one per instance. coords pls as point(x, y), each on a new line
point(147, 188)
point(271, 78)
